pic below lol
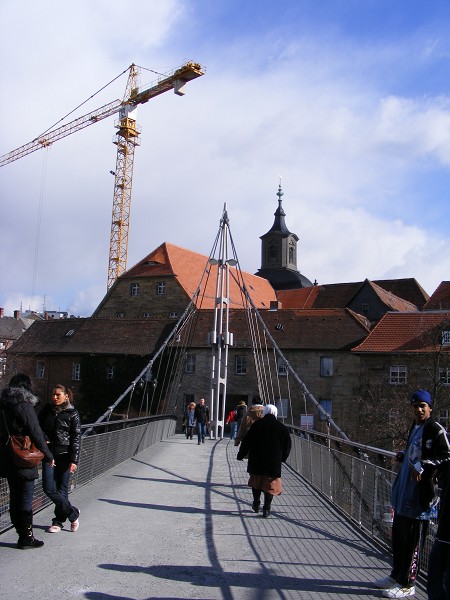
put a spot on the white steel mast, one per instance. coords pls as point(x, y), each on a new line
point(220, 338)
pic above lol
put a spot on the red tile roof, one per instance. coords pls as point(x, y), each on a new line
point(326, 329)
point(407, 332)
point(190, 267)
point(94, 336)
point(408, 289)
point(391, 300)
point(440, 299)
point(340, 295)
point(301, 298)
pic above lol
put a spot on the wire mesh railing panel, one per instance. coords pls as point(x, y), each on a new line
point(99, 453)
point(358, 487)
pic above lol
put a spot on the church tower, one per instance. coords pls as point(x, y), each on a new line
point(279, 254)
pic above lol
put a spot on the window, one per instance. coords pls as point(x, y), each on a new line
point(273, 254)
point(282, 407)
point(109, 372)
point(120, 315)
point(446, 338)
point(134, 289)
point(326, 366)
point(292, 254)
point(2, 367)
point(241, 365)
point(281, 365)
point(76, 371)
point(189, 366)
point(188, 398)
point(398, 375)
point(147, 315)
point(327, 406)
point(2, 345)
point(161, 288)
point(444, 376)
point(307, 421)
point(40, 369)
point(173, 315)
point(364, 309)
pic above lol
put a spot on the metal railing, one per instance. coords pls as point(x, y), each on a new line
point(355, 478)
point(109, 444)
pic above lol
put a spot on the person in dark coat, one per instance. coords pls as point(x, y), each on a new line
point(268, 444)
point(201, 420)
point(438, 581)
point(17, 404)
point(60, 421)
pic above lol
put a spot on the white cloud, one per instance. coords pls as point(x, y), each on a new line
point(325, 113)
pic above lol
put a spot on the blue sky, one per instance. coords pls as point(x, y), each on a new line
point(347, 100)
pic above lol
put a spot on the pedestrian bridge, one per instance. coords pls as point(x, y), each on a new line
point(162, 517)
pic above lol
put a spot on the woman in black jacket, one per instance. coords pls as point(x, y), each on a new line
point(18, 417)
point(61, 424)
point(268, 444)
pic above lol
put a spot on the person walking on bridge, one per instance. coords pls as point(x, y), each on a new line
point(268, 444)
point(254, 412)
point(201, 420)
point(414, 494)
point(189, 418)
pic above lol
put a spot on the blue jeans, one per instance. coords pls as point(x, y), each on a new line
point(55, 482)
point(201, 432)
point(438, 583)
point(233, 430)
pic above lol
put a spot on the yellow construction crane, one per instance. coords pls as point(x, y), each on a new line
point(127, 138)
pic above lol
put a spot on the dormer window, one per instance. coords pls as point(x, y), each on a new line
point(445, 339)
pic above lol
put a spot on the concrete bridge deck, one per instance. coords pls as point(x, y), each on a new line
point(175, 522)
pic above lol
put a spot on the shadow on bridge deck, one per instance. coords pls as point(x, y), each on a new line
point(176, 522)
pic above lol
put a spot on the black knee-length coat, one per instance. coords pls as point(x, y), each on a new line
point(268, 444)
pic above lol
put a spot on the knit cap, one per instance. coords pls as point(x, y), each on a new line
point(422, 396)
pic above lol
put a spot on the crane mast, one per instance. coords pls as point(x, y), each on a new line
point(127, 138)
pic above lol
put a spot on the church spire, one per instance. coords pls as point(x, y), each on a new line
point(279, 253)
point(279, 223)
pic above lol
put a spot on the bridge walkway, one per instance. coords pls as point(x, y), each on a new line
point(175, 522)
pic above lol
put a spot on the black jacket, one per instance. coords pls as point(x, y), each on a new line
point(268, 444)
point(202, 413)
point(435, 455)
point(62, 427)
point(17, 404)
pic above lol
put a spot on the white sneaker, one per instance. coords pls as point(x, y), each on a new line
point(54, 529)
point(399, 592)
point(384, 583)
point(74, 526)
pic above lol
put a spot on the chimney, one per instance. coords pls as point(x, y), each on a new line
point(45, 316)
point(17, 314)
point(2, 312)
